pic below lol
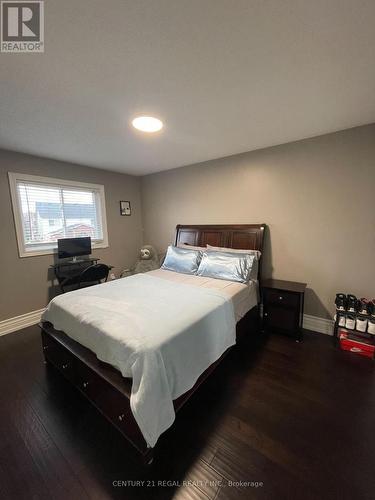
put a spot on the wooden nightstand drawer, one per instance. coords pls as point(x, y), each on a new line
point(282, 298)
point(283, 307)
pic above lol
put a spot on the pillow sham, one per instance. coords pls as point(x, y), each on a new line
point(182, 260)
point(226, 266)
point(257, 254)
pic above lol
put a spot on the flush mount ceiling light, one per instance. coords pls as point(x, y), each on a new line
point(147, 124)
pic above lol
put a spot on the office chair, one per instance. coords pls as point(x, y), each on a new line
point(93, 275)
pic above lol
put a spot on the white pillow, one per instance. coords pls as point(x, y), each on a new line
point(257, 253)
point(191, 247)
point(182, 260)
point(226, 266)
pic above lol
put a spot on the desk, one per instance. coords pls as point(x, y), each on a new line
point(68, 273)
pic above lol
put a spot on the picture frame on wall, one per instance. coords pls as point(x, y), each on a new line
point(125, 208)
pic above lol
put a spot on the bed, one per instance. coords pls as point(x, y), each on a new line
point(129, 389)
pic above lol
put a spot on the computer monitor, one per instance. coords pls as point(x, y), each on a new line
point(73, 247)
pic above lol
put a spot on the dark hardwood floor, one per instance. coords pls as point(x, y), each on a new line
point(297, 418)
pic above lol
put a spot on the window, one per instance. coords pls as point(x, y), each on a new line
point(46, 210)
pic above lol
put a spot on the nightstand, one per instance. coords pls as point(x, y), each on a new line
point(283, 307)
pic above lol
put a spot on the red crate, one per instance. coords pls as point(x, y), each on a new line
point(362, 347)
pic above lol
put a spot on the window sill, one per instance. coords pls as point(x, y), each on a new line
point(52, 251)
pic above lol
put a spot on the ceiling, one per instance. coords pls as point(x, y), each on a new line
point(224, 76)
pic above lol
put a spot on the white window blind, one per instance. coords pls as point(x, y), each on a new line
point(47, 210)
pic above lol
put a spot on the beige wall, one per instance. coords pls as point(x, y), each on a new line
point(24, 282)
point(317, 197)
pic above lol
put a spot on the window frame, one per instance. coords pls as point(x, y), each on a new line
point(51, 248)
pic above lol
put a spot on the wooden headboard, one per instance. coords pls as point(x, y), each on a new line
point(239, 236)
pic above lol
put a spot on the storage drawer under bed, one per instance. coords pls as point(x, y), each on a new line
point(105, 397)
point(60, 358)
point(112, 403)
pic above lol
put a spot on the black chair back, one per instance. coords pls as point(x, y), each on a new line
point(94, 274)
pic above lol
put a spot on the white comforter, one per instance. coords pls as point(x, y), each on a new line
point(162, 334)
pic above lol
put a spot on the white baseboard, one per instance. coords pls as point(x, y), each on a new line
point(19, 322)
point(320, 325)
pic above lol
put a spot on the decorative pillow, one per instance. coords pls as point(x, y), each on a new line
point(257, 254)
point(182, 260)
point(226, 266)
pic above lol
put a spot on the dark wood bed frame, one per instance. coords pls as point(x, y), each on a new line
point(102, 384)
